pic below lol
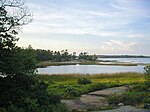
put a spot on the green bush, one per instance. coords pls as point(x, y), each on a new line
point(133, 98)
point(114, 99)
point(23, 93)
point(147, 75)
point(95, 87)
point(147, 100)
point(139, 88)
point(84, 81)
point(71, 91)
point(11, 108)
point(128, 98)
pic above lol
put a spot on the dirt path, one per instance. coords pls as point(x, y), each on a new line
point(94, 100)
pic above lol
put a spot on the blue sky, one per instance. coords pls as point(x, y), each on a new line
point(95, 26)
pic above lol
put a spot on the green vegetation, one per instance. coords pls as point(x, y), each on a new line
point(147, 75)
point(67, 85)
point(49, 63)
point(137, 95)
point(24, 91)
point(20, 91)
point(61, 56)
point(84, 81)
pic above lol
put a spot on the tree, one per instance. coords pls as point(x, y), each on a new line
point(13, 15)
point(20, 91)
point(147, 75)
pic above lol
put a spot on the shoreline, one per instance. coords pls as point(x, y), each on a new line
point(44, 64)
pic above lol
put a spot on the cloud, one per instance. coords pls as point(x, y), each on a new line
point(115, 19)
point(116, 45)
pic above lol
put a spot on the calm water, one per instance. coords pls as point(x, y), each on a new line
point(95, 69)
point(88, 69)
point(131, 60)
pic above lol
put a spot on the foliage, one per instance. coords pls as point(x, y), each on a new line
point(57, 56)
point(19, 61)
point(99, 81)
point(71, 91)
point(85, 56)
point(147, 100)
point(147, 75)
point(128, 98)
point(61, 56)
point(137, 94)
point(13, 15)
point(20, 90)
point(25, 94)
point(84, 81)
point(147, 69)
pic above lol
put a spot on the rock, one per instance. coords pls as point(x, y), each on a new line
point(110, 91)
point(121, 104)
point(94, 100)
point(127, 108)
point(147, 106)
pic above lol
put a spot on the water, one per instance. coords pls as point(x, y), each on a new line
point(96, 69)
point(88, 69)
point(130, 60)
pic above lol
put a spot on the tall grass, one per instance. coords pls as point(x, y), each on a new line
point(125, 77)
point(67, 86)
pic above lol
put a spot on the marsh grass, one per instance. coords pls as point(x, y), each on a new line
point(66, 84)
point(115, 77)
point(49, 63)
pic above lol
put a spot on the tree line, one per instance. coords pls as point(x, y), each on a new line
point(60, 56)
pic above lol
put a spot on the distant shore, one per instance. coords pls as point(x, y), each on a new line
point(43, 64)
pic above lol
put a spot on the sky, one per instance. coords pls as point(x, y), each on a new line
point(94, 26)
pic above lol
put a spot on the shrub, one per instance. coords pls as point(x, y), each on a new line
point(147, 75)
point(147, 100)
point(133, 98)
point(84, 81)
point(139, 88)
point(128, 98)
point(23, 93)
point(71, 91)
point(115, 99)
point(95, 87)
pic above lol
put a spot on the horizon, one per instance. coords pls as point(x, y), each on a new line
point(105, 27)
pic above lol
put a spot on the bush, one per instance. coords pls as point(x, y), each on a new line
point(133, 98)
point(23, 93)
point(84, 81)
point(128, 98)
point(95, 87)
point(71, 91)
point(139, 88)
point(147, 75)
point(147, 100)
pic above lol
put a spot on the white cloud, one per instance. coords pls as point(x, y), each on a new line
point(115, 45)
point(111, 23)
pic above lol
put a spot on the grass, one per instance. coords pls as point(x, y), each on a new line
point(43, 64)
point(49, 63)
point(67, 86)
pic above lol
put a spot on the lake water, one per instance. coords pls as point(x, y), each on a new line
point(130, 60)
point(96, 69)
point(88, 69)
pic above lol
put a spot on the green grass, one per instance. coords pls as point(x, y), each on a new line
point(49, 63)
point(67, 86)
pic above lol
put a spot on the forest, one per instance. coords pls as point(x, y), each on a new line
point(61, 56)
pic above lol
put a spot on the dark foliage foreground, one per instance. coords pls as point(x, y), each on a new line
point(22, 93)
